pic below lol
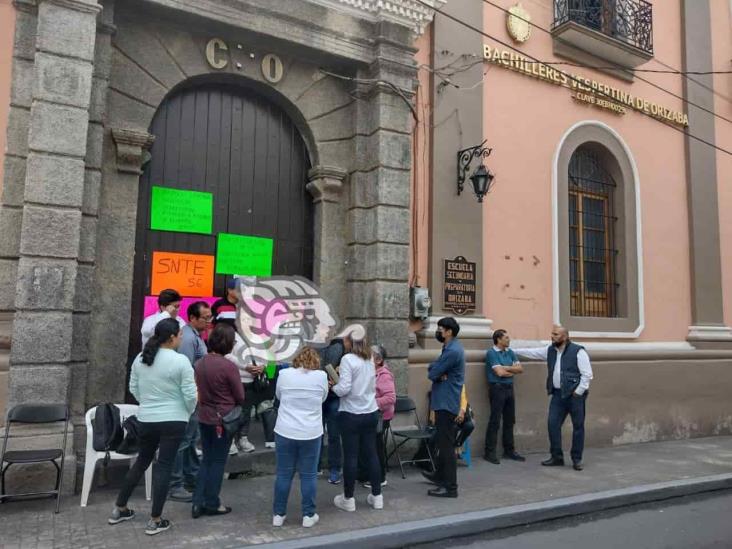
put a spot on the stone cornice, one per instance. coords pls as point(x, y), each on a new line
point(131, 144)
point(326, 172)
point(326, 183)
point(408, 13)
point(28, 6)
point(77, 5)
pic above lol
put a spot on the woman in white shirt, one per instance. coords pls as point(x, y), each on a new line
point(358, 418)
point(301, 391)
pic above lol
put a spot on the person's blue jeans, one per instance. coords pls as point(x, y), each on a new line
point(185, 468)
point(330, 418)
point(301, 456)
point(211, 472)
point(559, 408)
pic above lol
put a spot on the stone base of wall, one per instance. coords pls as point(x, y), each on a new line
point(630, 401)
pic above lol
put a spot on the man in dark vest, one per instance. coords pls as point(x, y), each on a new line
point(568, 383)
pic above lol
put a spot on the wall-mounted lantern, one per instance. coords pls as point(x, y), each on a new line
point(482, 178)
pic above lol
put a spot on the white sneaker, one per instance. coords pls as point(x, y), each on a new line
point(377, 502)
point(233, 450)
point(347, 504)
point(279, 520)
point(199, 452)
point(244, 445)
point(309, 522)
point(269, 444)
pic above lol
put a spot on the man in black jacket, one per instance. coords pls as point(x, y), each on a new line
point(332, 354)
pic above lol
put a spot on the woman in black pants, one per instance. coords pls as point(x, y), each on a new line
point(358, 417)
point(161, 380)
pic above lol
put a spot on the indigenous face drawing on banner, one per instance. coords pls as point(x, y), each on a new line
point(277, 316)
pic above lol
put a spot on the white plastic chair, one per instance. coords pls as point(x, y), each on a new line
point(92, 456)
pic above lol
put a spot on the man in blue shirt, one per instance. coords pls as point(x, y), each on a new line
point(447, 374)
point(501, 365)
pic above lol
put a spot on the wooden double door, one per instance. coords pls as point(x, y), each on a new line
point(246, 152)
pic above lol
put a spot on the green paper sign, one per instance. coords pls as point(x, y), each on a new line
point(181, 211)
point(244, 255)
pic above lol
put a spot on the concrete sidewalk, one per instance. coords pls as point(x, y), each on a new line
point(490, 496)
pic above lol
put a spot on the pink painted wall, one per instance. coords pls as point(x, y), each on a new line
point(421, 169)
point(7, 29)
point(421, 165)
point(524, 120)
point(722, 61)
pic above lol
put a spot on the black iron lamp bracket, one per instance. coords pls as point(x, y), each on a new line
point(465, 158)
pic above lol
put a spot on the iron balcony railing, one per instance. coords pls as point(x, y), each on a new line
point(630, 21)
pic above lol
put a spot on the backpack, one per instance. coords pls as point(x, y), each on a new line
point(131, 442)
point(107, 429)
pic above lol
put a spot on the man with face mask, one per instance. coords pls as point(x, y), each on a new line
point(568, 383)
point(447, 374)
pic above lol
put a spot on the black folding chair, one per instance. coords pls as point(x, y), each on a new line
point(405, 405)
point(34, 413)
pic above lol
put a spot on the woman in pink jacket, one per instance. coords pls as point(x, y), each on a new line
point(385, 400)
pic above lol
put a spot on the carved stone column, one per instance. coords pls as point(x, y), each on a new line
point(54, 238)
point(124, 156)
point(326, 187)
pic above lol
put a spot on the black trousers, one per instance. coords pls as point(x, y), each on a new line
point(358, 433)
point(445, 442)
point(166, 436)
point(503, 406)
point(363, 470)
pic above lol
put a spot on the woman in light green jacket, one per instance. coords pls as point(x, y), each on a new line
point(162, 381)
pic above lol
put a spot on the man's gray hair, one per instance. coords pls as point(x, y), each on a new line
point(378, 350)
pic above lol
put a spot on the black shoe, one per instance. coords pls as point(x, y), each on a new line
point(154, 528)
point(553, 462)
point(120, 516)
point(577, 466)
point(432, 477)
point(219, 511)
point(442, 492)
point(514, 456)
point(492, 459)
point(196, 511)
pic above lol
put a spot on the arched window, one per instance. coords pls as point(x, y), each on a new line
point(592, 247)
point(597, 248)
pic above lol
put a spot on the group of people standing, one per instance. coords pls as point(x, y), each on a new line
point(568, 381)
point(187, 380)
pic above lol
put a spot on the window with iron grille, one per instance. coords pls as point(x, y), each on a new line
point(592, 252)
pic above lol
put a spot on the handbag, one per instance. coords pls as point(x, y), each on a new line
point(232, 421)
point(380, 423)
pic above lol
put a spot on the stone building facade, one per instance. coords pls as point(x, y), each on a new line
point(88, 78)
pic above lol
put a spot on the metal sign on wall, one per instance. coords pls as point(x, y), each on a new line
point(459, 286)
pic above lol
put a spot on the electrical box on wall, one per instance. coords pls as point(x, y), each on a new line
point(419, 303)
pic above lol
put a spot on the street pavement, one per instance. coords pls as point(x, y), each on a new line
point(695, 522)
point(482, 487)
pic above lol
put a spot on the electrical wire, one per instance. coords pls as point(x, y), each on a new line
point(617, 66)
point(391, 85)
point(569, 76)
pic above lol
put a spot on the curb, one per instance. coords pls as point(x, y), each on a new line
point(478, 522)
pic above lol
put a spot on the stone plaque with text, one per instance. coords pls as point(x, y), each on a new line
point(459, 286)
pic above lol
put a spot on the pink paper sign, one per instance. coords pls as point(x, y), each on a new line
point(151, 305)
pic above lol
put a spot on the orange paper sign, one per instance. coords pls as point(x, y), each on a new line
point(191, 274)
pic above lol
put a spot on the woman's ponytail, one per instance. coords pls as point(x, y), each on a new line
point(164, 330)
